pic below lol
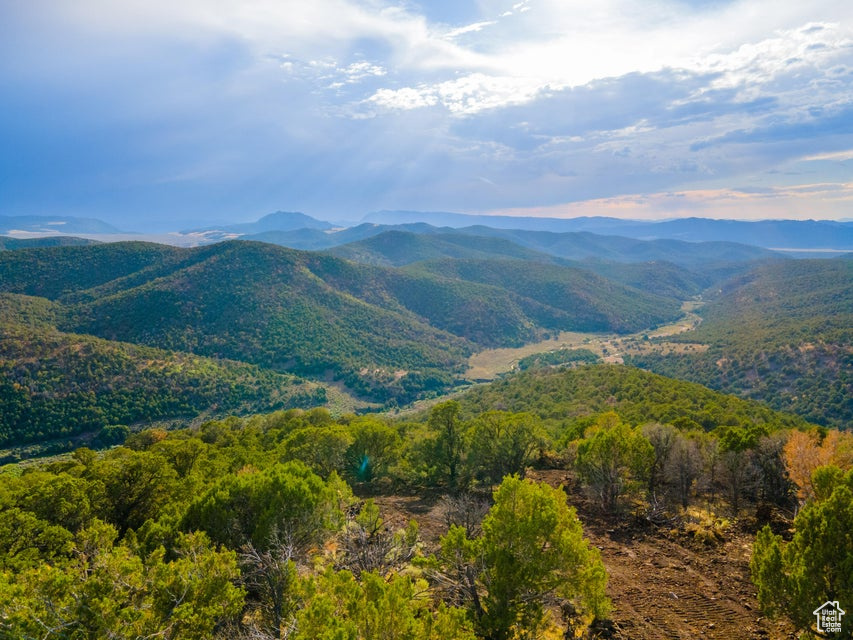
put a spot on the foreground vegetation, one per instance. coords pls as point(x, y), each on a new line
point(249, 528)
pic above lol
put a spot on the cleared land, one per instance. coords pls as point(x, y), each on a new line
point(491, 363)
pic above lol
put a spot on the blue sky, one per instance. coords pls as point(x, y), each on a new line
point(176, 112)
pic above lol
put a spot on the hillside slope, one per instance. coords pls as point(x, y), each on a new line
point(269, 308)
point(562, 298)
point(783, 333)
point(397, 248)
point(388, 334)
point(58, 385)
point(637, 396)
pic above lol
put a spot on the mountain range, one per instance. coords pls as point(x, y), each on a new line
point(772, 234)
point(387, 334)
point(95, 333)
point(301, 231)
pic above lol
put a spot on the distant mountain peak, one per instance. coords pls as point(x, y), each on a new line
point(287, 221)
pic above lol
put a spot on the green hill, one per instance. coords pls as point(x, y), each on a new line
point(272, 307)
point(638, 396)
point(397, 248)
point(659, 277)
point(10, 244)
point(562, 298)
point(783, 333)
point(486, 315)
point(59, 385)
point(667, 268)
point(53, 272)
point(133, 332)
point(386, 333)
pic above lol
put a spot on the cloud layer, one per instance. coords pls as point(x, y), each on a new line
point(172, 110)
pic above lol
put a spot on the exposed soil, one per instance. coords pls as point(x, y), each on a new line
point(665, 586)
point(662, 582)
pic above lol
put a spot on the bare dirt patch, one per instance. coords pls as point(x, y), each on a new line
point(667, 586)
point(663, 583)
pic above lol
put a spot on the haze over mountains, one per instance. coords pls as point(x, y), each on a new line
point(301, 231)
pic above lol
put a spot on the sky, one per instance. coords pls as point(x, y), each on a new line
point(178, 112)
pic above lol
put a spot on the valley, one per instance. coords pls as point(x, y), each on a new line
point(491, 363)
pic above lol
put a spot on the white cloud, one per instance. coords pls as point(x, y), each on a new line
point(359, 70)
point(759, 63)
point(467, 95)
point(404, 99)
point(548, 100)
point(834, 156)
point(471, 28)
point(561, 45)
point(555, 45)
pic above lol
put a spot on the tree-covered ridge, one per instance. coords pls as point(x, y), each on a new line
point(28, 311)
point(58, 385)
point(782, 334)
point(390, 335)
point(659, 277)
point(667, 268)
point(398, 247)
point(484, 315)
point(564, 395)
point(563, 298)
point(793, 301)
point(51, 272)
point(425, 241)
point(10, 244)
point(271, 309)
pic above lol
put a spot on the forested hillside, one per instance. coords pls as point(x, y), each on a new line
point(56, 385)
point(783, 334)
point(638, 396)
point(388, 335)
point(562, 298)
point(397, 248)
point(52, 241)
point(53, 272)
point(666, 267)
